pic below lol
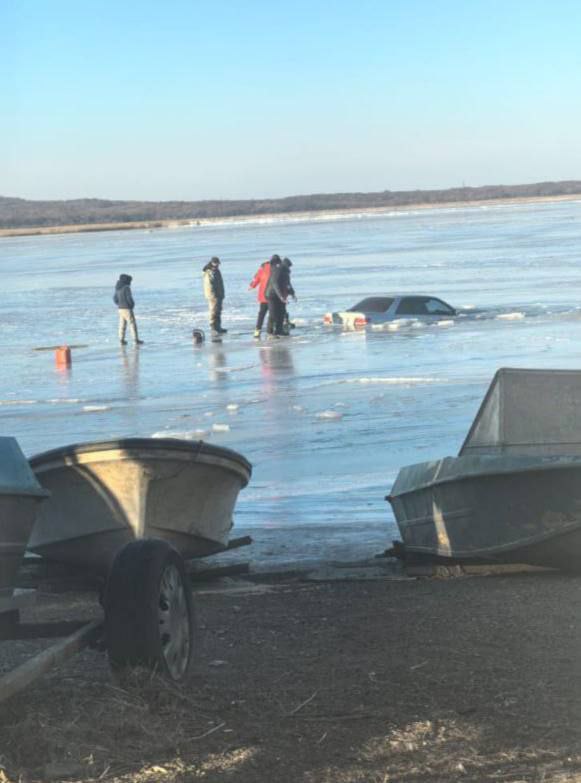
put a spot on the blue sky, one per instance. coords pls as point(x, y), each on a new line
point(191, 100)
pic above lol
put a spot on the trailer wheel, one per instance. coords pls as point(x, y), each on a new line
point(149, 617)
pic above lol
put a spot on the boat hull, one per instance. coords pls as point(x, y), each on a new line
point(104, 495)
point(17, 517)
point(505, 508)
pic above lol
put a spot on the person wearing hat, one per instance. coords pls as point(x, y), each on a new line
point(123, 298)
point(287, 324)
point(277, 292)
point(214, 293)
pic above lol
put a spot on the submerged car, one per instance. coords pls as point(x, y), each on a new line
point(382, 309)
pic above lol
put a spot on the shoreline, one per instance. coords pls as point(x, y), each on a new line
point(202, 222)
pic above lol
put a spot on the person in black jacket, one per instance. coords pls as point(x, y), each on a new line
point(287, 324)
point(123, 298)
point(276, 296)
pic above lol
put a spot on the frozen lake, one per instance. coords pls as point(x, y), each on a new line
point(326, 417)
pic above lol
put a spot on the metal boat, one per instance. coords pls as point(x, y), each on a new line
point(514, 492)
point(20, 495)
point(107, 494)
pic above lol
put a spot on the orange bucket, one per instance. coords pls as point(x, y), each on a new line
point(63, 356)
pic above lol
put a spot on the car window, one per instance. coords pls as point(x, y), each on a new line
point(423, 305)
point(413, 305)
point(437, 307)
point(373, 304)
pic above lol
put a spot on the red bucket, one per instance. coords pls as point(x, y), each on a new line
point(63, 356)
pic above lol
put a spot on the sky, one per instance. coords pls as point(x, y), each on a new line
point(190, 99)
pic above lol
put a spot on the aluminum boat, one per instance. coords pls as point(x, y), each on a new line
point(106, 494)
point(514, 492)
point(20, 496)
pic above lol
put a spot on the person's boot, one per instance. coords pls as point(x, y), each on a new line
point(257, 334)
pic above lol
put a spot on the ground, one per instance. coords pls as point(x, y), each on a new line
point(465, 679)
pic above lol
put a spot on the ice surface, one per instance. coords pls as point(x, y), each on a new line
point(397, 396)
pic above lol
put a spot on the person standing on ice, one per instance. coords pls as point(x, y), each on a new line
point(214, 293)
point(276, 294)
point(123, 298)
point(286, 285)
point(261, 279)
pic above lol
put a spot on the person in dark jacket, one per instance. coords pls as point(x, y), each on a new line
point(276, 293)
point(214, 293)
point(123, 298)
point(287, 324)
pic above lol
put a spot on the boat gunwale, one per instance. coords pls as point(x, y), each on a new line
point(195, 450)
point(537, 466)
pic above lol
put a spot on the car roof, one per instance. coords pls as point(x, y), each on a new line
point(400, 296)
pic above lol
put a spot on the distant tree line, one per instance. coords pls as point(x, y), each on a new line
point(22, 213)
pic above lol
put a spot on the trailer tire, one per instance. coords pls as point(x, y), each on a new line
point(149, 615)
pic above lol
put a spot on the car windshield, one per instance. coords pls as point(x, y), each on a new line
point(374, 304)
point(423, 305)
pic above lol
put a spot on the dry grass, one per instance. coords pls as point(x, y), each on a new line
point(462, 680)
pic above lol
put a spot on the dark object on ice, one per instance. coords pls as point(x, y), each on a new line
point(513, 495)
point(198, 336)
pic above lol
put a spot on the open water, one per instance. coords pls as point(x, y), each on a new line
point(326, 417)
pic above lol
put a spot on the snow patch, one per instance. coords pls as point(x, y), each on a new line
point(192, 435)
point(510, 316)
point(329, 415)
point(394, 381)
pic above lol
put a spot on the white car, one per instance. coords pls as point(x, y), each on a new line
point(381, 309)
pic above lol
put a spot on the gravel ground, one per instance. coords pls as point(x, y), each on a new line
point(351, 680)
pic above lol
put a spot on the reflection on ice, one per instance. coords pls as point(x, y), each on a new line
point(275, 357)
point(130, 371)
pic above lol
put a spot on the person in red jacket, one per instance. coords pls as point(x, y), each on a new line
point(260, 280)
